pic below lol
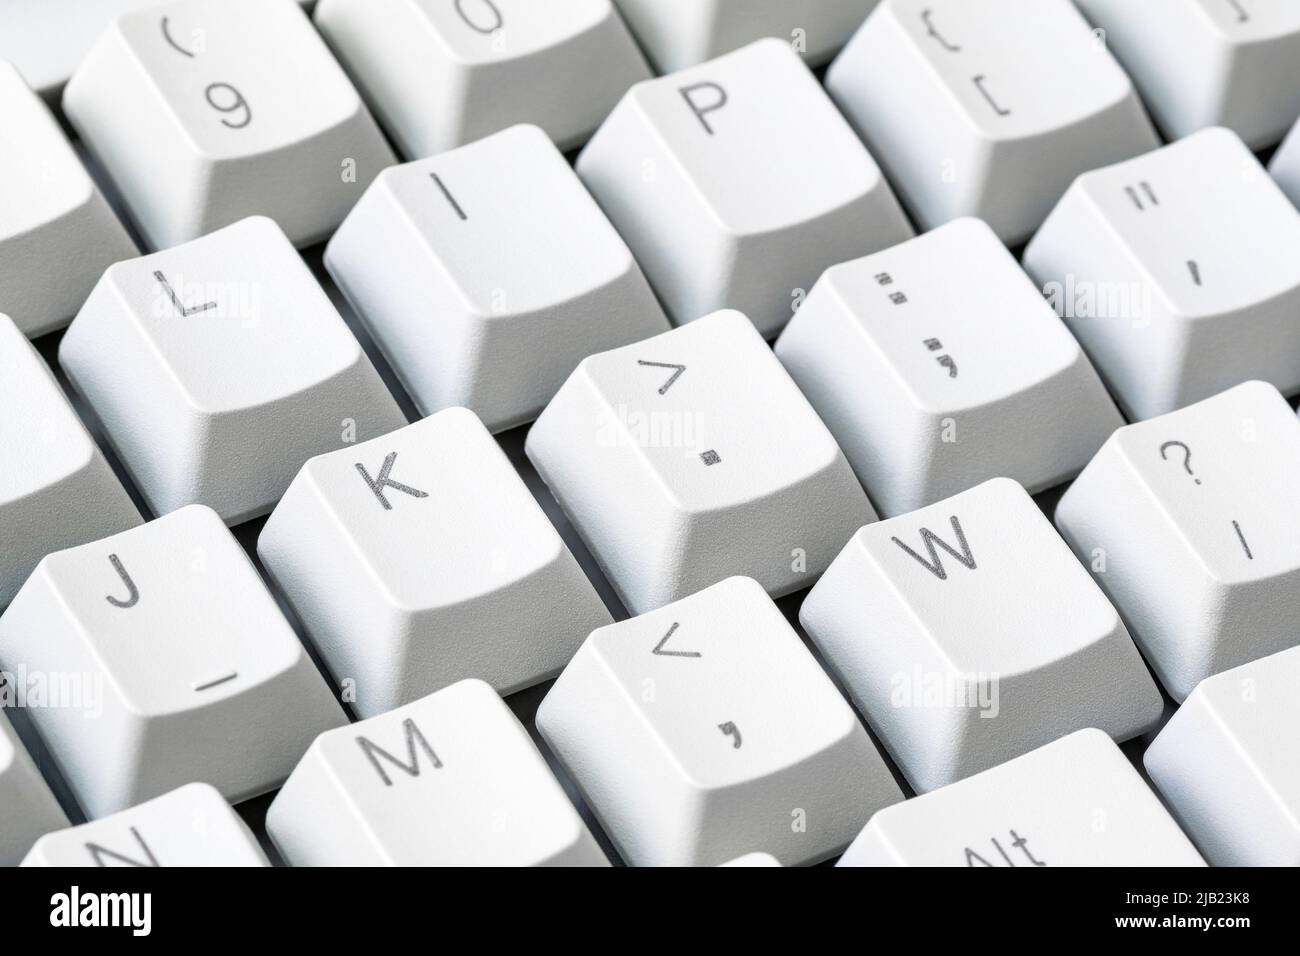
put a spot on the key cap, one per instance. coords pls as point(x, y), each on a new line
point(217, 368)
point(1187, 522)
point(753, 859)
point(195, 673)
point(204, 112)
point(46, 39)
point(477, 298)
point(705, 730)
point(678, 35)
point(1285, 166)
point(449, 780)
point(57, 234)
point(967, 634)
point(420, 558)
point(30, 810)
point(937, 365)
point(190, 826)
point(1175, 272)
point(1074, 802)
point(56, 489)
point(1209, 62)
point(1229, 765)
point(735, 183)
point(441, 73)
point(691, 457)
point(987, 109)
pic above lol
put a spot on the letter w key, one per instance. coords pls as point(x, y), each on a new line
point(933, 542)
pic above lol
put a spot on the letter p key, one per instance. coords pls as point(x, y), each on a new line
point(700, 107)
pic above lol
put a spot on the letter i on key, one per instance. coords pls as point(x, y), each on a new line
point(452, 779)
point(192, 672)
point(476, 298)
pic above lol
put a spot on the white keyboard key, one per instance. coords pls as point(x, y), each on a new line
point(1285, 166)
point(195, 673)
point(1075, 802)
point(459, 269)
point(937, 365)
point(203, 112)
point(450, 780)
point(419, 559)
point(1176, 271)
point(1228, 763)
point(705, 730)
point(46, 39)
point(676, 35)
point(218, 367)
point(57, 234)
point(29, 809)
point(190, 826)
point(691, 457)
point(1202, 63)
point(736, 183)
point(753, 859)
point(968, 634)
point(986, 109)
point(1188, 523)
point(56, 489)
point(441, 73)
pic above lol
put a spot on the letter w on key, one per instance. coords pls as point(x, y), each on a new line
point(373, 751)
point(377, 485)
point(935, 564)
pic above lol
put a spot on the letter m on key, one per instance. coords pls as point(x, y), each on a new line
point(415, 743)
point(933, 543)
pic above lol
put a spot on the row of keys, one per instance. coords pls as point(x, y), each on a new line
point(705, 733)
point(674, 154)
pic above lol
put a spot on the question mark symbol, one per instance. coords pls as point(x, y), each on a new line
point(1187, 456)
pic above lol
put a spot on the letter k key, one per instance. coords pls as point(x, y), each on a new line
point(377, 485)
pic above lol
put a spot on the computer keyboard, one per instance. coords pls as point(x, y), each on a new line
point(496, 432)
